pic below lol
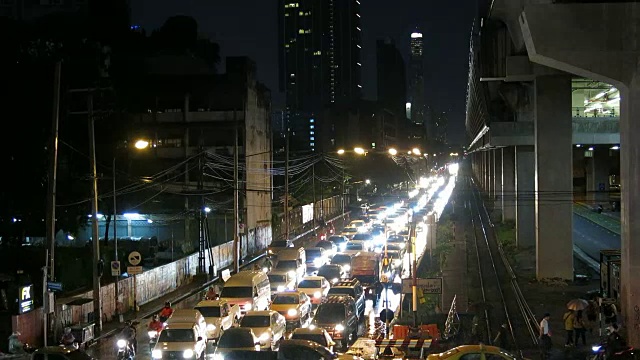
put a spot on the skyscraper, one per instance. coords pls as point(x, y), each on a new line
point(319, 55)
point(416, 100)
point(392, 77)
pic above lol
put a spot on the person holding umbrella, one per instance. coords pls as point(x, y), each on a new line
point(571, 320)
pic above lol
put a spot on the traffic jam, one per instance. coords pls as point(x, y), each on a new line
point(334, 300)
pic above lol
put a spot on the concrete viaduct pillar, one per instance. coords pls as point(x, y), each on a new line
point(554, 177)
point(497, 179)
point(525, 187)
point(508, 184)
point(600, 42)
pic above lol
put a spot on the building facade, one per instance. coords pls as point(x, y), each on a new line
point(319, 61)
point(416, 100)
point(392, 77)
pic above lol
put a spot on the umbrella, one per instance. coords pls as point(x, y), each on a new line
point(577, 304)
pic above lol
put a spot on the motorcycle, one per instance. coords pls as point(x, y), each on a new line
point(153, 338)
point(599, 352)
point(125, 351)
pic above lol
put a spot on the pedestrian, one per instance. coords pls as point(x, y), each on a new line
point(568, 318)
point(610, 314)
point(502, 338)
point(579, 328)
point(545, 336)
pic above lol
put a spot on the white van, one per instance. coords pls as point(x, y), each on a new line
point(250, 290)
point(293, 261)
point(191, 316)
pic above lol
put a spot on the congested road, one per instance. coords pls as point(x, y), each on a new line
point(107, 348)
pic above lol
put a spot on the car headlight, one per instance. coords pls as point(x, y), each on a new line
point(156, 354)
point(188, 354)
point(248, 306)
point(280, 288)
point(218, 357)
point(211, 327)
point(121, 343)
point(265, 269)
point(335, 280)
point(339, 327)
point(264, 337)
point(317, 294)
point(317, 262)
point(347, 267)
point(292, 312)
point(312, 327)
point(292, 273)
point(152, 333)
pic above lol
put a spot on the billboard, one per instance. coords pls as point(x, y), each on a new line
point(307, 213)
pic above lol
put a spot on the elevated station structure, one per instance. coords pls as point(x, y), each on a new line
point(546, 76)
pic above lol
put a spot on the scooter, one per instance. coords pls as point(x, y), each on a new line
point(125, 351)
point(599, 352)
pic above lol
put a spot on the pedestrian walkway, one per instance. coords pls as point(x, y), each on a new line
point(153, 307)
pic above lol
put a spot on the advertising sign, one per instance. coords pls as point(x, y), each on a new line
point(307, 213)
point(25, 299)
point(427, 286)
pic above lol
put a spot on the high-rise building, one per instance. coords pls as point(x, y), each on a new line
point(416, 100)
point(319, 54)
point(392, 78)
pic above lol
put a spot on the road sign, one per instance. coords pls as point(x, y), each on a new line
point(134, 270)
point(54, 286)
point(135, 258)
point(428, 286)
point(115, 268)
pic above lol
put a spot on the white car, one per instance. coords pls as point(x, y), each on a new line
point(268, 325)
point(354, 247)
point(316, 288)
point(180, 340)
point(349, 232)
point(219, 315)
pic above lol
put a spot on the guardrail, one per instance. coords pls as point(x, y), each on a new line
point(205, 285)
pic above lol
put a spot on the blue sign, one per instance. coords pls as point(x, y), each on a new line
point(54, 286)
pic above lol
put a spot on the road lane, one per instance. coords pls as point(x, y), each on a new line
point(591, 237)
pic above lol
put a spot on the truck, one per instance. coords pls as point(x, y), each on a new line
point(219, 316)
point(366, 268)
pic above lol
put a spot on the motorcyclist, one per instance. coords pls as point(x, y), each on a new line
point(166, 312)
point(67, 338)
point(155, 325)
point(211, 293)
point(615, 341)
point(129, 333)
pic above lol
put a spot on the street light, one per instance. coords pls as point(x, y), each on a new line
point(207, 209)
point(416, 151)
point(341, 151)
point(141, 144)
point(367, 181)
point(359, 151)
point(393, 152)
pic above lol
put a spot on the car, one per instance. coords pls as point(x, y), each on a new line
point(354, 247)
point(343, 260)
point(318, 335)
point(474, 352)
point(339, 240)
point(219, 316)
point(351, 288)
point(329, 247)
point(331, 272)
point(60, 353)
point(364, 237)
point(268, 325)
point(338, 317)
point(316, 288)
point(316, 257)
point(278, 245)
point(236, 339)
point(295, 306)
point(349, 232)
point(281, 280)
point(181, 340)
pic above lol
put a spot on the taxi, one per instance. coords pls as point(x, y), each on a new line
point(293, 305)
point(474, 352)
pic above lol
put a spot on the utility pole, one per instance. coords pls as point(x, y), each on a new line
point(202, 245)
point(236, 190)
point(313, 186)
point(286, 187)
point(115, 235)
point(412, 239)
point(97, 301)
point(49, 266)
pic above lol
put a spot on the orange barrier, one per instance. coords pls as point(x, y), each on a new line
point(432, 330)
point(400, 331)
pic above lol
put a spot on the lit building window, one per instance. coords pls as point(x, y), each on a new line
point(312, 120)
point(359, 47)
point(312, 138)
point(301, 31)
point(312, 127)
point(312, 144)
point(312, 132)
point(373, 145)
point(358, 15)
point(317, 52)
point(301, 13)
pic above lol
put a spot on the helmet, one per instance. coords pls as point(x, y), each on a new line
point(167, 304)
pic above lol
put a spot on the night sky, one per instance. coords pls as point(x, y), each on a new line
point(249, 28)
